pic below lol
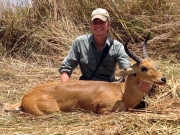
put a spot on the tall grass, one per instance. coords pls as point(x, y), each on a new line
point(49, 26)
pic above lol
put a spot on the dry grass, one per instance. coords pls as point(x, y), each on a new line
point(18, 76)
point(34, 41)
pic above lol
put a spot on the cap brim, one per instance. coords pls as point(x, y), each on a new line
point(103, 18)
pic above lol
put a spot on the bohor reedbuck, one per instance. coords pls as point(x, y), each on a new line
point(94, 96)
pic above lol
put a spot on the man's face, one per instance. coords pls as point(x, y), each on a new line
point(99, 27)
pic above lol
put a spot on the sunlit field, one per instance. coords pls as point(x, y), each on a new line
point(35, 38)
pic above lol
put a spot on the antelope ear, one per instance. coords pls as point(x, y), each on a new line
point(126, 71)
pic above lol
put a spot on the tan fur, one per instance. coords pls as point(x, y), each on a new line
point(95, 96)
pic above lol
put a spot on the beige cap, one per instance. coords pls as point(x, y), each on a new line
point(101, 14)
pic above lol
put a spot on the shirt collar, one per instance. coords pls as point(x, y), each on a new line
point(93, 42)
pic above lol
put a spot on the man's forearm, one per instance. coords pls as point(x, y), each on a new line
point(65, 77)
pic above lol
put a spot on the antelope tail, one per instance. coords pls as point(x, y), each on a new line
point(12, 107)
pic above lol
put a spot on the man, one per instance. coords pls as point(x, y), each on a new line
point(86, 51)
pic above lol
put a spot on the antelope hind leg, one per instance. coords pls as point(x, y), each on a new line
point(43, 105)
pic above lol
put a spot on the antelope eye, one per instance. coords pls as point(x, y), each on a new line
point(143, 69)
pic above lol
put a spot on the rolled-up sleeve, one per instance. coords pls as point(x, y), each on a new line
point(71, 60)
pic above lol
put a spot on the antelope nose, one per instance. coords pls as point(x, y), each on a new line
point(163, 79)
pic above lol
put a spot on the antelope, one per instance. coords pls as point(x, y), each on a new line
point(94, 96)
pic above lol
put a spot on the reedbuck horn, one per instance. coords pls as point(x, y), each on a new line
point(144, 53)
point(132, 55)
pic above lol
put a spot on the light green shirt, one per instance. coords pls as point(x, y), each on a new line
point(85, 53)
